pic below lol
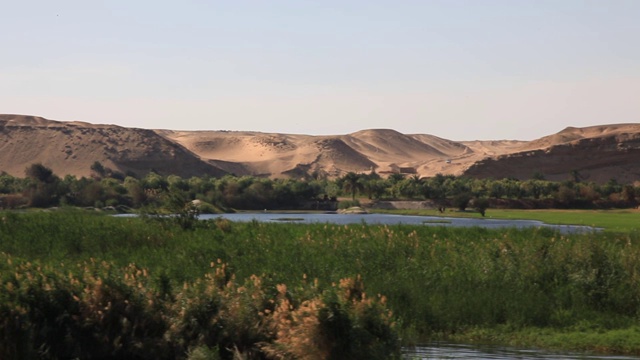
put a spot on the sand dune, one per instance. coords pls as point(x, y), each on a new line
point(600, 152)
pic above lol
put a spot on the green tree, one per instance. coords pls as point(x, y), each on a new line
point(45, 188)
point(351, 182)
point(185, 211)
point(537, 176)
point(40, 173)
point(628, 194)
point(566, 195)
point(177, 183)
point(409, 188)
point(481, 205)
point(9, 184)
point(98, 169)
point(461, 200)
point(575, 176)
point(532, 188)
point(135, 191)
point(395, 178)
point(611, 187)
point(154, 181)
point(374, 188)
point(434, 188)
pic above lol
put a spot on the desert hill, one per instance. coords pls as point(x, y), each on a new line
point(598, 153)
point(72, 147)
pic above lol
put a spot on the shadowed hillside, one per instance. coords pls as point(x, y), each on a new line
point(597, 153)
point(72, 147)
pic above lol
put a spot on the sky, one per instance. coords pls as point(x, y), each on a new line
point(457, 69)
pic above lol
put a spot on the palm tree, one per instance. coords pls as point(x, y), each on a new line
point(351, 183)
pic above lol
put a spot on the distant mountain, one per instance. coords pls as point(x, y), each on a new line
point(598, 153)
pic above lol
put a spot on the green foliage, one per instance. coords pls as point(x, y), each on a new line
point(40, 173)
point(461, 200)
point(181, 209)
point(204, 353)
point(206, 208)
point(352, 183)
point(436, 280)
point(45, 188)
point(95, 310)
point(98, 169)
point(481, 205)
point(42, 188)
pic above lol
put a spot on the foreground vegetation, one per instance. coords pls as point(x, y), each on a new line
point(79, 285)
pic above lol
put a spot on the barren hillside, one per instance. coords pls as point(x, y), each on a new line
point(599, 153)
point(72, 147)
point(283, 155)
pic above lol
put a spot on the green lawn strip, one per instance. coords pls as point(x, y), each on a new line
point(624, 341)
point(611, 220)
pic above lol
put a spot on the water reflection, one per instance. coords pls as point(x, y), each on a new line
point(460, 351)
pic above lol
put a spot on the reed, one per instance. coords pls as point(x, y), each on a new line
point(437, 281)
point(96, 310)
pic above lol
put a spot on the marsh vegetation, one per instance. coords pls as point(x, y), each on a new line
point(261, 289)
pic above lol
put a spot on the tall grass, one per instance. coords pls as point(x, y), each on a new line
point(86, 296)
point(436, 280)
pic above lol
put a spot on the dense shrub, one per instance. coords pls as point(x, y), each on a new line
point(93, 310)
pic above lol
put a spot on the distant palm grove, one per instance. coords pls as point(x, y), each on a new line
point(105, 188)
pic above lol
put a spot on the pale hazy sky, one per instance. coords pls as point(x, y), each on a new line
point(462, 70)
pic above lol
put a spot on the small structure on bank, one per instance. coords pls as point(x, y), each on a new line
point(353, 210)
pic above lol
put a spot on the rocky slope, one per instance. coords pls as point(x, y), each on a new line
point(598, 153)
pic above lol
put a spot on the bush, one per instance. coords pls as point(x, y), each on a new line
point(12, 201)
point(100, 311)
point(207, 208)
point(461, 201)
point(481, 205)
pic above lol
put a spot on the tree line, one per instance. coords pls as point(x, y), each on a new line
point(40, 187)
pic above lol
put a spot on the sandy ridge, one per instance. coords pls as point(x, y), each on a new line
point(71, 148)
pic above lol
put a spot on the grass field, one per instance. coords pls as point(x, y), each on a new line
point(611, 220)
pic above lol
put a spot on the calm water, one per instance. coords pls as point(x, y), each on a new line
point(389, 219)
point(459, 351)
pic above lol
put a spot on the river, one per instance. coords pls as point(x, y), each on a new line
point(460, 351)
point(390, 219)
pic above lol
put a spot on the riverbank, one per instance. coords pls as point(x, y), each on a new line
point(614, 220)
point(584, 338)
point(438, 282)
